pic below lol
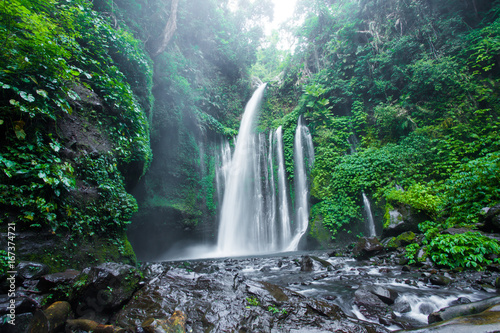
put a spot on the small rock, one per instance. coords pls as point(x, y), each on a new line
point(439, 280)
point(175, 324)
point(402, 306)
point(29, 270)
point(306, 264)
point(406, 268)
point(460, 300)
point(367, 247)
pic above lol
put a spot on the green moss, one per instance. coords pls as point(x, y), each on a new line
point(387, 215)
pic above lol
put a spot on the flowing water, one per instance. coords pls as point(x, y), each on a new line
point(302, 138)
point(256, 208)
point(369, 216)
point(237, 227)
point(336, 280)
point(256, 214)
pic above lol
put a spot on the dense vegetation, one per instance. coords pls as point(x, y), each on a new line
point(106, 98)
point(83, 85)
point(413, 88)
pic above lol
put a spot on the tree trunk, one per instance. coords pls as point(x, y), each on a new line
point(168, 31)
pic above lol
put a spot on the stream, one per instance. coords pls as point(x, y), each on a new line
point(341, 281)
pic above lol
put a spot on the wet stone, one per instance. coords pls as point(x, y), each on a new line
point(306, 264)
point(439, 280)
point(401, 306)
point(29, 270)
point(460, 300)
point(426, 308)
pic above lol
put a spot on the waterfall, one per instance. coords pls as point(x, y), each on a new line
point(302, 136)
point(286, 234)
point(223, 162)
point(237, 229)
point(252, 186)
point(369, 216)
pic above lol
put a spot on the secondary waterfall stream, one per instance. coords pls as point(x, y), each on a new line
point(255, 215)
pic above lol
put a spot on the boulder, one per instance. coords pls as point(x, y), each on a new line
point(306, 264)
point(51, 319)
point(21, 304)
point(439, 280)
point(403, 219)
point(460, 300)
point(483, 322)
point(463, 309)
point(490, 219)
point(51, 281)
point(367, 247)
point(105, 288)
point(322, 262)
point(401, 306)
point(29, 270)
point(371, 306)
point(386, 295)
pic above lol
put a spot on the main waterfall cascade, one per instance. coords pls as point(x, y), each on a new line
point(255, 215)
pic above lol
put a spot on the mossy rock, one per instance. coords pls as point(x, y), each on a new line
point(59, 253)
point(404, 239)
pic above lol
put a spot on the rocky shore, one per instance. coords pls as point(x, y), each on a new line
point(295, 292)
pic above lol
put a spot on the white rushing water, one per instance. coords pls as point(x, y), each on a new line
point(302, 138)
point(237, 227)
point(369, 216)
point(286, 233)
point(255, 215)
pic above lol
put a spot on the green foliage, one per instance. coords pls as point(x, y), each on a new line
point(469, 250)
point(474, 185)
point(4, 262)
point(419, 196)
point(415, 82)
point(61, 57)
point(253, 301)
point(274, 310)
point(411, 252)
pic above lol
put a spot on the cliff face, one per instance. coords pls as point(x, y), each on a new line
point(80, 99)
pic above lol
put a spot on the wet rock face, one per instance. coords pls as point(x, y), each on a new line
point(403, 219)
point(106, 287)
point(227, 302)
point(367, 247)
point(306, 265)
point(490, 219)
point(31, 270)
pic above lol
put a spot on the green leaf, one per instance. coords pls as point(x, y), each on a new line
point(27, 97)
point(42, 93)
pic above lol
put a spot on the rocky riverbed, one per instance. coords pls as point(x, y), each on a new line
point(294, 292)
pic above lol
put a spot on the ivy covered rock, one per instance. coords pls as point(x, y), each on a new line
point(106, 287)
point(401, 220)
